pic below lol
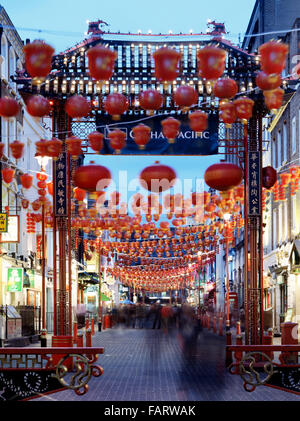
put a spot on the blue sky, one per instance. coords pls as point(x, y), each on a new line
point(63, 23)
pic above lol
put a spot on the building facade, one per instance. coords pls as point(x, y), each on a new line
point(281, 133)
point(20, 265)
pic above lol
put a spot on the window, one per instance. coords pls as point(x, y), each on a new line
point(294, 214)
point(285, 221)
point(274, 230)
point(294, 139)
point(274, 154)
point(284, 143)
point(4, 54)
point(280, 223)
point(279, 157)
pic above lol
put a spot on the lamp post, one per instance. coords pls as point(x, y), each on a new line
point(199, 281)
point(227, 218)
point(43, 161)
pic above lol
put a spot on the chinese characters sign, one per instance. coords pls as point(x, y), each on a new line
point(254, 184)
point(61, 185)
point(3, 222)
point(13, 230)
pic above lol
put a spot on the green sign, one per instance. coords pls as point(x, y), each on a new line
point(14, 279)
point(31, 276)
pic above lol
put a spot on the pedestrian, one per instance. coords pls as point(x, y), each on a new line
point(166, 315)
point(140, 315)
point(242, 318)
point(157, 315)
point(132, 315)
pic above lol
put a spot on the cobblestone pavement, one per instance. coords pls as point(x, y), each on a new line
point(147, 365)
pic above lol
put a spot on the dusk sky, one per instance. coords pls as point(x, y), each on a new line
point(63, 24)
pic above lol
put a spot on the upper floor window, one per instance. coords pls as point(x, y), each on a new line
point(284, 143)
point(4, 54)
point(294, 137)
point(279, 156)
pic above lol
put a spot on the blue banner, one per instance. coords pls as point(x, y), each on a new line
point(187, 142)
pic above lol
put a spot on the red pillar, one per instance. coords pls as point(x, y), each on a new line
point(289, 336)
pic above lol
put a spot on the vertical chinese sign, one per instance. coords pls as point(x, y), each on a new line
point(254, 184)
point(61, 185)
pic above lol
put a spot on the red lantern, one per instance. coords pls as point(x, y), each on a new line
point(273, 56)
point(267, 82)
point(157, 178)
point(36, 205)
point(38, 106)
point(87, 177)
point(223, 176)
point(273, 99)
point(285, 178)
point(151, 100)
point(8, 175)
point(78, 106)
point(141, 135)
point(41, 176)
point(185, 96)
point(227, 113)
point(50, 187)
point(2, 145)
point(54, 148)
point(101, 62)
point(79, 194)
point(166, 63)
point(38, 57)
point(115, 105)
point(198, 121)
point(9, 107)
point(117, 140)
point(211, 62)
point(170, 128)
point(225, 88)
point(42, 184)
point(25, 203)
point(42, 192)
point(74, 146)
point(17, 149)
point(26, 180)
point(96, 141)
point(244, 108)
point(41, 147)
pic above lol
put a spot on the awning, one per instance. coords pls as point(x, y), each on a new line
point(287, 99)
point(88, 277)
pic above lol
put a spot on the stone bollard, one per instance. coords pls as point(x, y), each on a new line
point(43, 338)
point(75, 330)
point(238, 328)
point(289, 336)
point(208, 322)
point(79, 340)
point(220, 326)
point(215, 324)
point(88, 337)
point(88, 341)
point(268, 340)
point(228, 357)
point(93, 326)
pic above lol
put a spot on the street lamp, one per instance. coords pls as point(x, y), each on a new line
point(227, 218)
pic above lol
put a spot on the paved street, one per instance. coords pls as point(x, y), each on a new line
point(146, 365)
